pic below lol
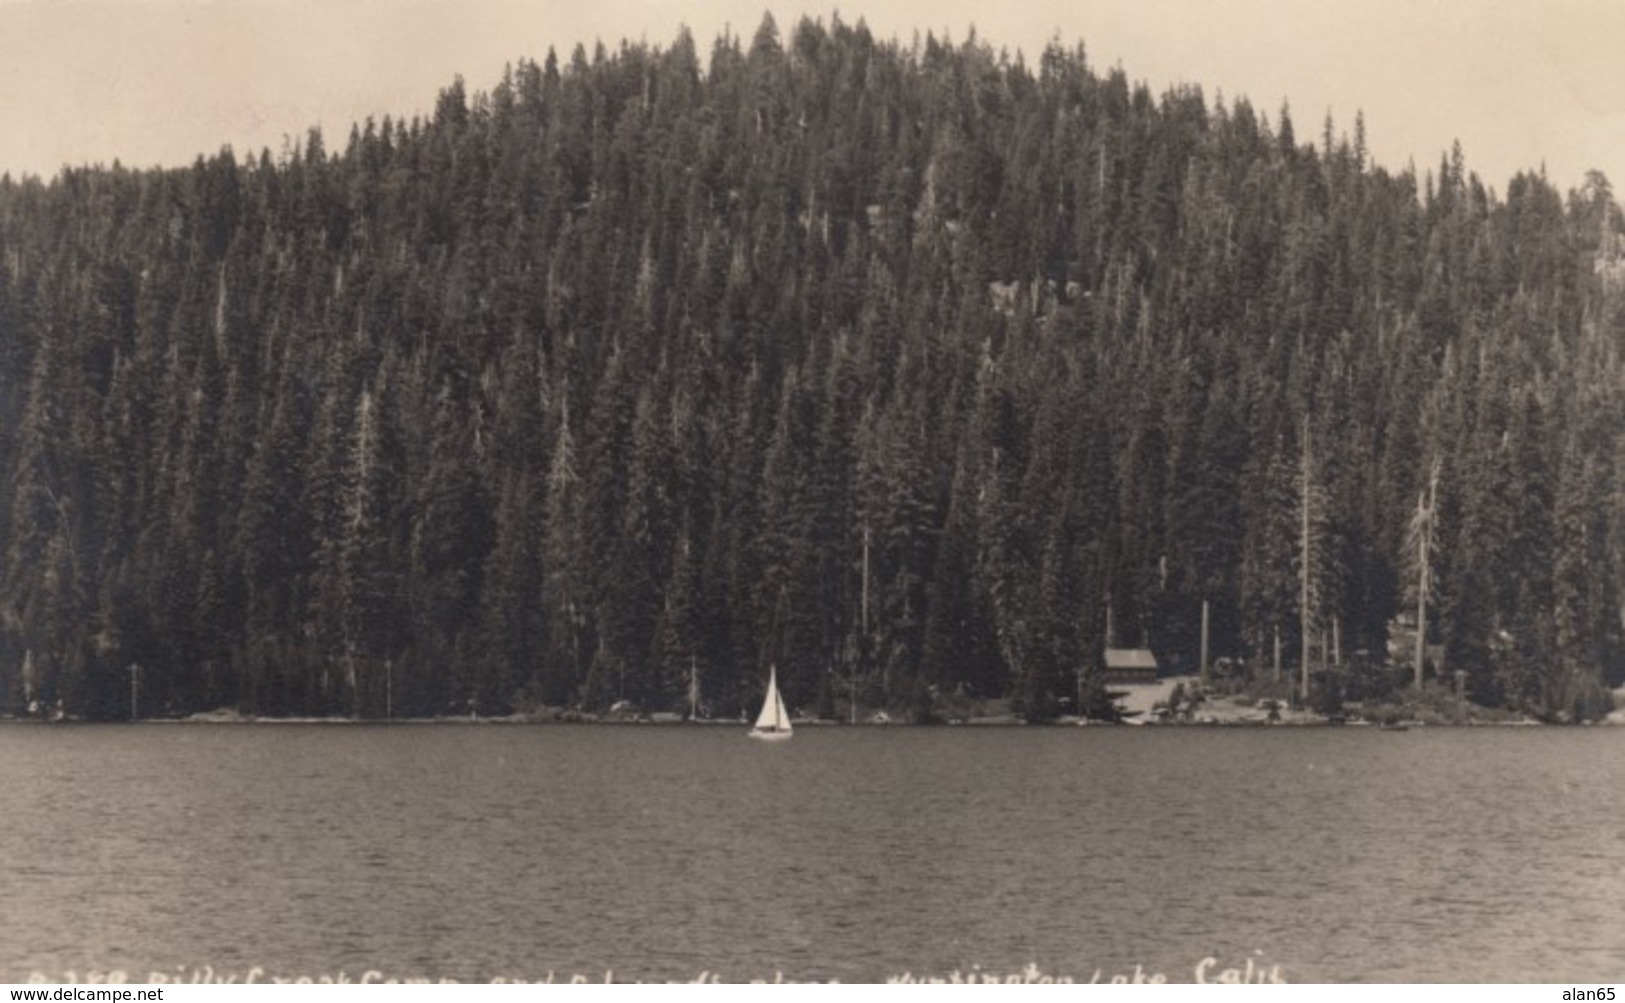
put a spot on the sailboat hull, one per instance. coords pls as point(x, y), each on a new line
point(769, 736)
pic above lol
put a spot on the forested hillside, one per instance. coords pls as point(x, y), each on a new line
point(894, 362)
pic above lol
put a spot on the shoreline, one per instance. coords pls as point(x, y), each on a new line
point(1142, 705)
point(1616, 719)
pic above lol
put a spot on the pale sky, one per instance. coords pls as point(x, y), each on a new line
point(160, 81)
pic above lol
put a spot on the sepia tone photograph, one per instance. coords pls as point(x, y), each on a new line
point(716, 491)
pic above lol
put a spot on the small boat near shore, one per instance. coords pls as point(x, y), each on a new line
point(773, 723)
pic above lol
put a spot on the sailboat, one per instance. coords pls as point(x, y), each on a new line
point(773, 723)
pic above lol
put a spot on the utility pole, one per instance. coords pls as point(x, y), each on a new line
point(135, 687)
point(1204, 641)
point(28, 675)
point(1303, 600)
point(864, 610)
point(1277, 652)
point(863, 613)
point(1424, 547)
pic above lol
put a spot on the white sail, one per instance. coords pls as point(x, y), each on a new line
point(773, 719)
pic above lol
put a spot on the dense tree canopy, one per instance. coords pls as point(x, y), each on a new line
point(895, 364)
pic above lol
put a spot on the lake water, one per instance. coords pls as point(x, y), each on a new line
point(473, 852)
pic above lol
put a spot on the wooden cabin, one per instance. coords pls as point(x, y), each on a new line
point(1128, 666)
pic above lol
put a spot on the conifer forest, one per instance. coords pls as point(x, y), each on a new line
point(894, 365)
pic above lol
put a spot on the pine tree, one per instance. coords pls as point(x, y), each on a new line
point(564, 588)
point(1421, 547)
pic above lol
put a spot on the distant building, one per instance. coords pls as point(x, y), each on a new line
point(1402, 644)
point(1130, 665)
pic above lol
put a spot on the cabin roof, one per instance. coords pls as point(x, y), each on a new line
point(1130, 658)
